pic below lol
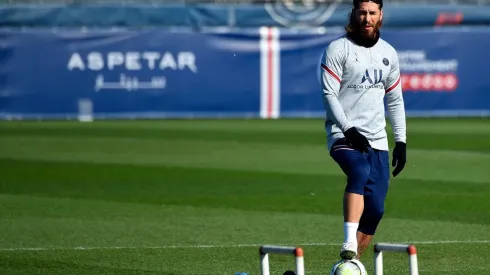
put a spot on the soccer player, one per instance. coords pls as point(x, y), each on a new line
point(359, 70)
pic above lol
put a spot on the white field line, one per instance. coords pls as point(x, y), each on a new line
point(203, 246)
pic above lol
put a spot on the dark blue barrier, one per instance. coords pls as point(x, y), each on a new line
point(238, 15)
point(129, 74)
point(266, 72)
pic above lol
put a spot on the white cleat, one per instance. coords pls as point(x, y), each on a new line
point(348, 251)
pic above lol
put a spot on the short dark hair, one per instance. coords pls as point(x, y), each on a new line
point(357, 3)
point(351, 25)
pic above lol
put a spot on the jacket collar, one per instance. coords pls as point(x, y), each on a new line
point(363, 41)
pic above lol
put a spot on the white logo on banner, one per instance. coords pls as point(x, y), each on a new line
point(302, 12)
point(128, 63)
point(419, 73)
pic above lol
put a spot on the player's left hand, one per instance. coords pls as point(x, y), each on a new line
point(399, 157)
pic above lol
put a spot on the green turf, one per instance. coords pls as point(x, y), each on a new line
point(199, 196)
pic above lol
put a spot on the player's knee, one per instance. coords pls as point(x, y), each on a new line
point(357, 178)
point(370, 219)
point(378, 212)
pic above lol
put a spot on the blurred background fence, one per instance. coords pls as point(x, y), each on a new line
point(160, 59)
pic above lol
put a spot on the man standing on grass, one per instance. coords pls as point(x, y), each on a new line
point(358, 71)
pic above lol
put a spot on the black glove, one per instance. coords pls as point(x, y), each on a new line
point(399, 157)
point(357, 140)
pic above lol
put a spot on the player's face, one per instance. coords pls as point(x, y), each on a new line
point(369, 17)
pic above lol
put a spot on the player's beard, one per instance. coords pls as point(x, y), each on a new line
point(356, 32)
point(370, 33)
point(356, 27)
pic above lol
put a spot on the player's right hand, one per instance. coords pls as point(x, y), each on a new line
point(357, 140)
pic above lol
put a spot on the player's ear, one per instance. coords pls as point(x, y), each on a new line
point(381, 16)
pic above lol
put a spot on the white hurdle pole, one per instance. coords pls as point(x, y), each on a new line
point(411, 250)
point(297, 252)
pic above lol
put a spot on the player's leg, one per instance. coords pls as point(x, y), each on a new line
point(363, 241)
point(374, 199)
point(353, 207)
point(354, 164)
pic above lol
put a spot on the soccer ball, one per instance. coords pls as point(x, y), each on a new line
point(348, 267)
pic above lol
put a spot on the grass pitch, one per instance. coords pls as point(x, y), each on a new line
point(200, 196)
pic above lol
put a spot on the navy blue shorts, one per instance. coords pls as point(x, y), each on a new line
point(367, 174)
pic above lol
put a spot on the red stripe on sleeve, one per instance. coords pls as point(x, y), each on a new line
point(330, 72)
point(393, 86)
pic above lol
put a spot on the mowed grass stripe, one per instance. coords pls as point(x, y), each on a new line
point(434, 165)
point(442, 259)
point(247, 190)
point(423, 135)
point(30, 222)
point(213, 246)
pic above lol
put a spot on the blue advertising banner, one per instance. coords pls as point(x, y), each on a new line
point(266, 72)
point(147, 73)
point(443, 71)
